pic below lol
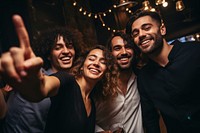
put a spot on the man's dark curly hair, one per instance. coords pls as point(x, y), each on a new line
point(43, 45)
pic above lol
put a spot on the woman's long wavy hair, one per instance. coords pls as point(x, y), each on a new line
point(106, 87)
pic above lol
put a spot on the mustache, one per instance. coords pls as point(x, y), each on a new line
point(123, 56)
point(142, 39)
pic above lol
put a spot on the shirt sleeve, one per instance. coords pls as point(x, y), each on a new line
point(98, 129)
point(64, 77)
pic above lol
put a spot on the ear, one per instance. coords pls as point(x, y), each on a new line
point(163, 29)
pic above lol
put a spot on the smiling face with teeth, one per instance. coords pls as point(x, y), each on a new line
point(148, 34)
point(62, 55)
point(122, 52)
point(94, 66)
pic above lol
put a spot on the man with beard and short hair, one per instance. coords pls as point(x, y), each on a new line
point(121, 112)
point(169, 82)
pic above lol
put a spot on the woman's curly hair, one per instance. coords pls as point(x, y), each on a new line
point(107, 86)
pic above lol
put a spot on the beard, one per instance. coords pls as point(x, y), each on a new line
point(125, 67)
point(156, 47)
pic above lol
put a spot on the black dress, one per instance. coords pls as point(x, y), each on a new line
point(67, 113)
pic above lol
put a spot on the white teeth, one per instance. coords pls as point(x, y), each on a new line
point(94, 71)
point(145, 42)
point(124, 59)
point(66, 58)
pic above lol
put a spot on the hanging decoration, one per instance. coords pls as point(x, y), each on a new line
point(101, 15)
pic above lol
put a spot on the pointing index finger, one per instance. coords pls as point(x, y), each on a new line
point(22, 33)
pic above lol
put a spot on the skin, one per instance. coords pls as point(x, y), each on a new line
point(62, 55)
point(148, 36)
point(61, 58)
point(122, 52)
point(21, 69)
point(94, 66)
point(93, 70)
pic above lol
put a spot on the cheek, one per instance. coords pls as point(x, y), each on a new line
point(115, 54)
point(72, 52)
point(104, 68)
point(136, 41)
point(55, 54)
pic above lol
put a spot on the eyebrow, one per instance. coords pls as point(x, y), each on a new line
point(93, 55)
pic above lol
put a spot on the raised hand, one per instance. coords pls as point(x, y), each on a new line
point(19, 67)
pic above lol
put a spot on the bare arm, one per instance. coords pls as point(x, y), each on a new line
point(20, 68)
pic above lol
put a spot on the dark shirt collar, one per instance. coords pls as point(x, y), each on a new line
point(171, 55)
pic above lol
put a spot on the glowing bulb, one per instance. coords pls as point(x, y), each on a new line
point(159, 2)
point(74, 4)
point(165, 4)
point(179, 5)
point(153, 10)
point(89, 15)
point(84, 13)
point(146, 5)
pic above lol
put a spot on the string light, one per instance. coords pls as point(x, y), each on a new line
point(159, 2)
point(97, 15)
point(146, 6)
point(74, 4)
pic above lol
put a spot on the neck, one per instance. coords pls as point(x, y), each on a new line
point(161, 57)
point(124, 77)
point(85, 86)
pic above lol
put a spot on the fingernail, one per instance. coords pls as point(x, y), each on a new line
point(19, 80)
point(23, 73)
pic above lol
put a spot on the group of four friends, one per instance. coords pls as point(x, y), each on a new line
point(103, 92)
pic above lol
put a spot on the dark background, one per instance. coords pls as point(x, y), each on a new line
point(42, 14)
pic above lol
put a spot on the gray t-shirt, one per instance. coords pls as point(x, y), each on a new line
point(24, 116)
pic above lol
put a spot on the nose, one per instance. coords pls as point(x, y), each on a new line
point(65, 50)
point(142, 34)
point(123, 50)
point(96, 63)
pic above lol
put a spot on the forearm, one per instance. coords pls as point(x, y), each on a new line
point(32, 88)
point(45, 86)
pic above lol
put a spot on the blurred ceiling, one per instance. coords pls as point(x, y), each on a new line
point(47, 13)
point(178, 23)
